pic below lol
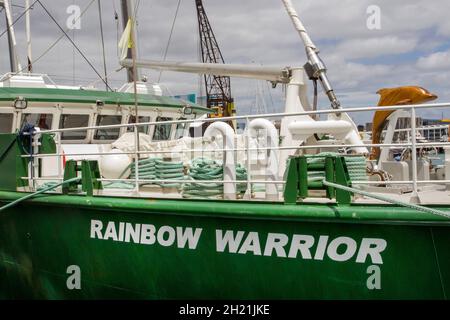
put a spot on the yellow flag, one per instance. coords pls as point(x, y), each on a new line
point(125, 41)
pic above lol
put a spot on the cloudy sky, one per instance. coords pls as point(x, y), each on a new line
point(411, 47)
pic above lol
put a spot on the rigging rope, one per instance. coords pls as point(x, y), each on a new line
point(170, 37)
point(18, 18)
point(389, 200)
point(103, 42)
point(57, 40)
point(73, 43)
point(116, 18)
point(50, 187)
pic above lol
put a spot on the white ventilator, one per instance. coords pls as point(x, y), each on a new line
point(229, 168)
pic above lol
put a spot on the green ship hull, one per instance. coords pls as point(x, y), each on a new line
point(78, 247)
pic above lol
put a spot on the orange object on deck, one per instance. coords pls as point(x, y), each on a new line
point(392, 97)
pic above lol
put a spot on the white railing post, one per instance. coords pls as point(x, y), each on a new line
point(136, 157)
point(229, 165)
point(415, 195)
point(35, 147)
point(248, 164)
point(60, 162)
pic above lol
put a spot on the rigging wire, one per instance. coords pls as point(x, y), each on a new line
point(103, 42)
point(73, 43)
point(137, 27)
point(73, 53)
point(199, 57)
point(170, 37)
point(116, 18)
point(18, 18)
point(57, 40)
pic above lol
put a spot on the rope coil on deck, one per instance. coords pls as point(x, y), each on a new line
point(356, 166)
point(207, 169)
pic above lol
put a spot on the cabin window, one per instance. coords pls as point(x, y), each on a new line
point(40, 120)
point(73, 121)
point(142, 129)
point(6, 120)
point(181, 128)
point(107, 133)
point(162, 131)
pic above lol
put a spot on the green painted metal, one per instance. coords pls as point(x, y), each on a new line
point(355, 213)
point(48, 145)
point(42, 238)
point(90, 172)
point(138, 248)
point(329, 176)
point(291, 186)
point(13, 166)
point(298, 185)
point(70, 171)
point(343, 178)
point(303, 177)
point(92, 96)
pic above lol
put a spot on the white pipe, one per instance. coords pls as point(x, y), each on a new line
point(272, 165)
point(9, 21)
point(341, 129)
point(319, 127)
point(358, 147)
point(229, 168)
point(274, 74)
point(353, 136)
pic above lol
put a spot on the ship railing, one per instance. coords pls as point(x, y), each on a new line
point(413, 144)
point(435, 129)
point(422, 128)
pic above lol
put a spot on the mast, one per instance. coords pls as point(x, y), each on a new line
point(28, 31)
point(128, 11)
point(13, 60)
point(315, 68)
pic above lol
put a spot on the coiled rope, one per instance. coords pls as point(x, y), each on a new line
point(191, 185)
point(356, 166)
point(208, 169)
